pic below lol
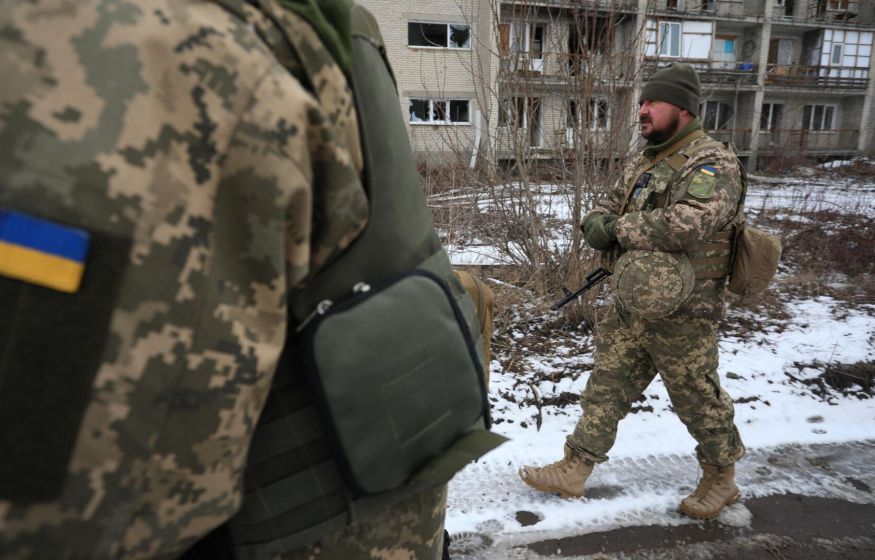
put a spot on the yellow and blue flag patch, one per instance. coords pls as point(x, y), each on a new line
point(42, 252)
point(708, 170)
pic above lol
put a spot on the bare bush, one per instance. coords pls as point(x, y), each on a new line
point(558, 130)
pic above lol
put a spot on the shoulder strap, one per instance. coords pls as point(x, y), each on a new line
point(674, 154)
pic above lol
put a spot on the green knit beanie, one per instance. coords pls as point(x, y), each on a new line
point(677, 84)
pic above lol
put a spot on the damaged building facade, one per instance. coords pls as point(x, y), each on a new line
point(501, 81)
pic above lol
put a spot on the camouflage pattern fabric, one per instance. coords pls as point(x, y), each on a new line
point(629, 352)
point(410, 530)
point(484, 303)
point(666, 216)
point(692, 193)
point(172, 125)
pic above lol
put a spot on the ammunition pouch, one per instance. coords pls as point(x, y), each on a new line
point(397, 385)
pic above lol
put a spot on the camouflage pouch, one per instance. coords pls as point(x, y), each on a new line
point(397, 385)
point(755, 261)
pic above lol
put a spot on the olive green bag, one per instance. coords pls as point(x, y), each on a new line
point(397, 375)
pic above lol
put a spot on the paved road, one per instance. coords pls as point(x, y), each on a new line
point(811, 503)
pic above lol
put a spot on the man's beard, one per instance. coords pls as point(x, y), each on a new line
point(660, 135)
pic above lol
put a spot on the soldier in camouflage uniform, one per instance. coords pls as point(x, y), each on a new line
point(188, 150)
point(672, 217)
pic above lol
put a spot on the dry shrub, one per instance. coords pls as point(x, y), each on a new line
point(830, 242)
point(784, 162)
point(859, 168)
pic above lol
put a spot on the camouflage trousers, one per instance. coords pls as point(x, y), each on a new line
point(484, 303)
point(413, 529)
point(630, 351)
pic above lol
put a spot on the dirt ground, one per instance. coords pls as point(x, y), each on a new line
point(788, 527)
point(833, 520)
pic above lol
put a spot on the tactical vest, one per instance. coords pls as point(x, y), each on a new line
point(295, 489)
point(712, 259)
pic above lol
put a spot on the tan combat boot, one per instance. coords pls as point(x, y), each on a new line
point(716, 490)
point(566, 476)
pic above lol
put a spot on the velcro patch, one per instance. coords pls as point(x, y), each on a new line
point(42, 252)
point(702, 183)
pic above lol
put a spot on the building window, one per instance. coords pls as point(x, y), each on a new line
point(836, 58)
point(770, 118)
point(513, 112)
point(669, 38)
point(599, 117)
point(845, 48)
point(572, 116)
point(716, 115)
point(440, 111)
point(438, 35)
point(818, 117)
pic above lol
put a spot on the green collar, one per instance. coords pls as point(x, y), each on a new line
point(331, 20)
point(653, 149)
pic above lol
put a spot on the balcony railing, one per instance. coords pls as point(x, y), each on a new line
point(583, 5)
point(738, 136)
point(833, 10)
point(817, 76)
point(808, 140)
point(602, 67)
point(713, 72)
point(712, 8)
point(842, 12)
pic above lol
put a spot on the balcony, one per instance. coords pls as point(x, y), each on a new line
point(738, 136)
point(605, 68)
point(820, 12)
point(736, 9)
point(714, 71)
point(583, 5)
point(825, 141)
point(816, 76)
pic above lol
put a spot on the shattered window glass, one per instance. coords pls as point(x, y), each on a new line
point(439, 112)
point(444, 111)
point(459, 111)
point(460, 37)
point(439, 35)
point(418, 110)
point(427, 34)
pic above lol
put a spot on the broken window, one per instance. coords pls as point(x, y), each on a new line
point(440, 111)
point(460, 37)
point(419, 110)
point(438, 35)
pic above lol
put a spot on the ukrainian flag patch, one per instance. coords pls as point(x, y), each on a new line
point(42, 252)
point(708, 170)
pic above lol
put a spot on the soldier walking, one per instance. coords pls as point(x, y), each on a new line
point(666, 229)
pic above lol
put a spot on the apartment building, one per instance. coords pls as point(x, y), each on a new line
point(442, 52)
point(506, 80)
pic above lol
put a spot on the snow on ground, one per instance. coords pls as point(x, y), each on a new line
point(652, 464)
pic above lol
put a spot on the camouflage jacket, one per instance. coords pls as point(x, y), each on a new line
point(189, 149)
point(692, 192)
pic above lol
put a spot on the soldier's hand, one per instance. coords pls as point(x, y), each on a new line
point(600, 231)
